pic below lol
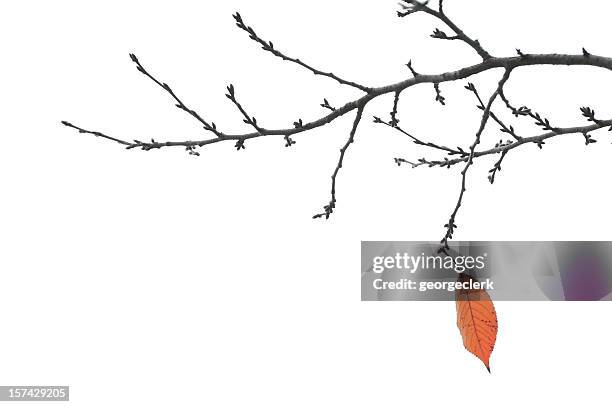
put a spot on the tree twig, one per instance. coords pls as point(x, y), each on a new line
point(414, 6)
point(269, 47)
point(451, 226)
point(179, 103)
point(511, 146)
point(329, 208)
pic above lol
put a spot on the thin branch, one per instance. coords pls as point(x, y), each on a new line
point(329, 208)
point(451, 225)
point(326, 105)
point(412, 70)
point(248, 119)
point(95, 133)
point(439, 97)
point(497, 167)
point(509, 62)
point(179, 103)
point(269, 47)
point(450, 151)
point(504, 147)
point(441, 35)
point(504, 128)
point(525, 111)
point(414, 6)
point(394, 120)
point(522, 111)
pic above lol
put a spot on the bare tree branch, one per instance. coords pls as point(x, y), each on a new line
point(481, 106)
point(248, 119)
point(505, 147)
point(269, 47)
point(454, 156)
point(329, 208)
point(96, 133)
point(450, 151)
point(509, 62)
point(394, 120)
point(179, 104)
point(414, 6)
point(451, 225)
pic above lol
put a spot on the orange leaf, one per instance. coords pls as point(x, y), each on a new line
point(477, 320)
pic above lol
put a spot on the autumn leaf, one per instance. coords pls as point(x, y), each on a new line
point(477, 320)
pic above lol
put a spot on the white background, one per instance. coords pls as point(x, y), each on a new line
point(156, 278)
